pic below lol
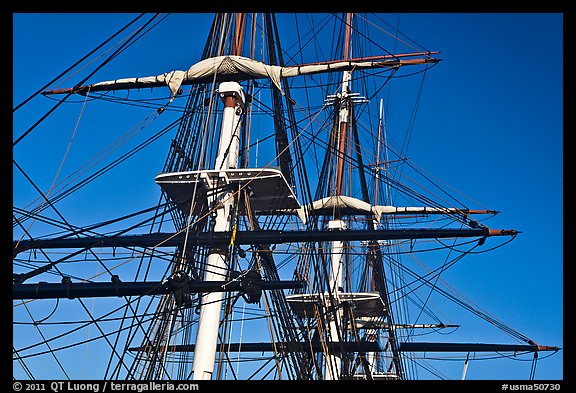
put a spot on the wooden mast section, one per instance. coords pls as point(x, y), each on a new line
point(344, 111)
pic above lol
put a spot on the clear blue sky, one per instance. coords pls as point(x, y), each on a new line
point(489, 124)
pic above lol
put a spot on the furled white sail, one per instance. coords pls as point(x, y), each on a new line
point(352, 206)
point(222, 68)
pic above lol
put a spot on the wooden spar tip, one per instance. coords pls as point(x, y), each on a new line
point(68, 90)
point(503, 232)
point(543, 347)
point(480, 211)
point(547, 348)
point(472, 347)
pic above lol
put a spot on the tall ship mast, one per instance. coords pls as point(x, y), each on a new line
point(291, 238)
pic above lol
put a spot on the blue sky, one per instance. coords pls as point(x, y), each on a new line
point(489, 124)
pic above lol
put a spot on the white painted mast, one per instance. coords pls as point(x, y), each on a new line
point(232, 95)
point(334, 362)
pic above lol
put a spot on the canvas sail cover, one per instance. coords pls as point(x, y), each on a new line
point(346, 205)
point(222, 68)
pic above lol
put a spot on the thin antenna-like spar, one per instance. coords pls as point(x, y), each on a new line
point(379, 142)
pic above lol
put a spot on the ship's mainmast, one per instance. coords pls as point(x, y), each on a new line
point(222, 203)
point(336, 283)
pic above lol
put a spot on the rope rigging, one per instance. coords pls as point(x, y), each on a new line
point(118, 51)
point(156, 336)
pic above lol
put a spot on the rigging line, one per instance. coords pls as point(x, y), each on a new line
point(45, 269)
point(159, 314)
point(95, 322)
point(432, 274)
point(140, 103)
point(19, 263)
point(415, 298)
point(177, 158)
point(162, 332)
point(241, 336)
point(107, 96)
point(23, 364)
point(68, 332)
point(53, 264)
point(49, 315)
point(396, 184)
point(314, 31)
point(123, 139)
point(111, 148)
point(502, 326)
point(187, 334)
point(115, 163)
point(421, 170)
point(63, 159)
point(385, 112)
point(445, 266)
point(368, 39)
point(25, 214)
point(514, 357)
point(230, 365)
point(292, 122)
point(68, 346)
point(389, 78)
point(387, 82)
point(420, 362)
point(77, 85)
point(112, 221)
point(394, 36)
point(262, 367)
point(168, 332)
point(114, 46)
point(245, 150)
point(481, 356)
point(484, 250)
point(159, 333)
point(90, 327)
point(45, 342)
point(134, 320)
point(282, 317)
point(474, 305)
point(427, 67)
point(307, 100)
point(408, 136)
point(272, 325)
point(76, 63)
point(85, 321)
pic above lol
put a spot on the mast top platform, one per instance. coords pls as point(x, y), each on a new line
point(364, 304)
point(267, 188)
